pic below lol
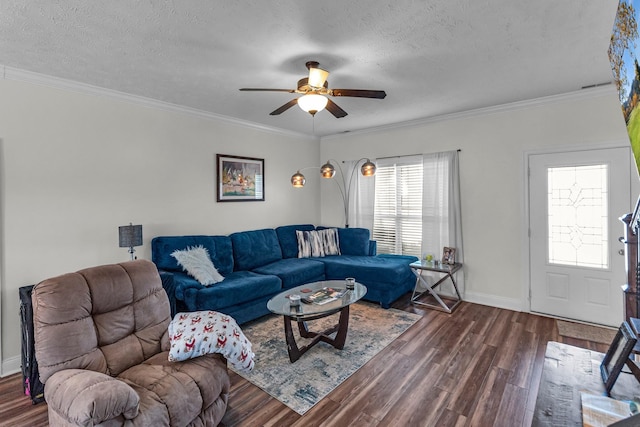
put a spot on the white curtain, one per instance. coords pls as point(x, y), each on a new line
point(362, 197)
point(441, 208)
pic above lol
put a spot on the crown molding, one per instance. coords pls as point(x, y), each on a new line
point(586, 93)
point(10, 73)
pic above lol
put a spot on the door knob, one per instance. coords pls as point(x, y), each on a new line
point(621, 251)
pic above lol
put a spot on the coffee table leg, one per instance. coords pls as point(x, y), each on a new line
point(292, 346)
point(338, 342)
point(343, 326)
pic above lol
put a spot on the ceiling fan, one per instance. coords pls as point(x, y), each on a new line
point(314, 90)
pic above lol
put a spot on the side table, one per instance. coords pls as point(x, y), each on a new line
point(448, 270)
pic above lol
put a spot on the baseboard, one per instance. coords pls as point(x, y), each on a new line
point(494, 301)
point(10, 366)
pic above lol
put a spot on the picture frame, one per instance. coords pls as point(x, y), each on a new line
point(239, 179)
point(617, 356)
point(448, 255)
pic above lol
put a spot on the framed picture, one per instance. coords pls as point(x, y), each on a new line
point(448, 255)
point(617, 355)
point(239, 179)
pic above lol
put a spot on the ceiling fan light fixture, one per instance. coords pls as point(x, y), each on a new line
point(312, 103)
point(317, 77)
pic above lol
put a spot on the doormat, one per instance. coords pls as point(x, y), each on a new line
point(581, 331)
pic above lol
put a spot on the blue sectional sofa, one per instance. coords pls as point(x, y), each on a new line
point(259, 264)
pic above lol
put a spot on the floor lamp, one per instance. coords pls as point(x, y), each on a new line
point(328, 171)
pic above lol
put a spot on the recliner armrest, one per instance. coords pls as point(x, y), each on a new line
point(89, 398)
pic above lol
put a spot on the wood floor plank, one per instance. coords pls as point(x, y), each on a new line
point(480, 366)
point(425, 409)
point(461, 358)
point(490, 398)
point(465, 396)
point(511, 411)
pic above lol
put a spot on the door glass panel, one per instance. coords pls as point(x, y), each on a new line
point(577, 216)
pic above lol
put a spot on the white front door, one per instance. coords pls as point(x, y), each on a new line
point(575, 200)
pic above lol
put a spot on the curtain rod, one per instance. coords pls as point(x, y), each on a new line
point(409, 155)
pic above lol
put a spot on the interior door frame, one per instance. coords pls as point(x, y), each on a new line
point(525, 235)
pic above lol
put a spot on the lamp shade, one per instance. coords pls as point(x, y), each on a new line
point(312, 103)
point(368, 168)
point(327, 170)
point(130, 235)
point(298, 180)
point(317, 77)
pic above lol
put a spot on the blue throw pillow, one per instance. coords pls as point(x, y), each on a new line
point(354, 241)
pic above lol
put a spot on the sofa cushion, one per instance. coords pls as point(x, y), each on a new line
point(368, 269)
point(386, 277)
point(219, 248)
point(294, 272)
point(252, 249)
point(236, 288)
point(197, 263)
point(288, 239)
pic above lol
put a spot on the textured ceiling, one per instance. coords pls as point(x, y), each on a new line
point(431, 57)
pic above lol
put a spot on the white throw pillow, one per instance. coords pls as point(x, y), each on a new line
point(203, 332)
point(197, 263)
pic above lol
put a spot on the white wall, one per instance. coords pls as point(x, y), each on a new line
point(493, 143)
point(76, 166)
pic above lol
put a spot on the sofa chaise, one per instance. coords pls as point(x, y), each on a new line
point(258, 264)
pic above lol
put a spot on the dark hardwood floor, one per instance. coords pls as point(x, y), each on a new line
point(480, 366)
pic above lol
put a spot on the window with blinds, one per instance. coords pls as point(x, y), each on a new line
point(397, 222)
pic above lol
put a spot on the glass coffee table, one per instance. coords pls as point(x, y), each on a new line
point(303, 312)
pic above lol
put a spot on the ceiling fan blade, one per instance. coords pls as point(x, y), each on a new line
point(333, 108)
point(258, 89)
point(360, 93)
point(284, 108)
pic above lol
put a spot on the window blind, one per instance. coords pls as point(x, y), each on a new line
point(397, 223)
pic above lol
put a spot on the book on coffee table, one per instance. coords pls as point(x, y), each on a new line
point(324, 296)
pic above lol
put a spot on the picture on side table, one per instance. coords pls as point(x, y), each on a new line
point(239, 179)
point(617, 355)
point(449, 255)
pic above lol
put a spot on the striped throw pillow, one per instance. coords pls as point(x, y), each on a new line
point(309, 244)
point(330, 241)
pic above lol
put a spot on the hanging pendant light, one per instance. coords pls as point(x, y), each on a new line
point(368, 168)
point(327, 170)
point(298, 180)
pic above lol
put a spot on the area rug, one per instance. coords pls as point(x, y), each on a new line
point(586, 332)
point(302, 384)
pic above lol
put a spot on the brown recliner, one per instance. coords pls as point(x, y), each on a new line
point(102, 349)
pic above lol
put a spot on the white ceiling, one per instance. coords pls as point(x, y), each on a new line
point(431, 57)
